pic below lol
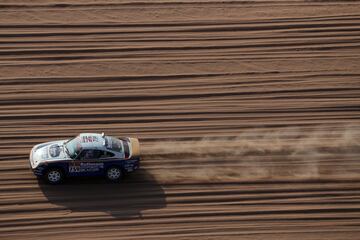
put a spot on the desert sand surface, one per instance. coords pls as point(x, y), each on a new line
point(247, 112)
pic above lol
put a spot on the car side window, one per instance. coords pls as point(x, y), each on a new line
point(90, 154)
point(106, 154)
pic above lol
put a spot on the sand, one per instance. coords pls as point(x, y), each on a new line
point(247, 112)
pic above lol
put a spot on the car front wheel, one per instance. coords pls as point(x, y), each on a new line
point(54, 176)
point(114, 174)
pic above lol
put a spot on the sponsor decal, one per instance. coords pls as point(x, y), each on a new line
point(79, 167)
point(54, 150)
point(89, 139)
point(130, 165)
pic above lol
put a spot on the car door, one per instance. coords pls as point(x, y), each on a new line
point(87, 163)
point(109, 159)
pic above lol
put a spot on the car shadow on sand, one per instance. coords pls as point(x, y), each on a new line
point(139, 191)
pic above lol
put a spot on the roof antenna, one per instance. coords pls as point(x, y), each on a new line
point(103, 136)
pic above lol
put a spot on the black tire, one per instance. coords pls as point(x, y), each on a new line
point(54, 176)
point(114, 174)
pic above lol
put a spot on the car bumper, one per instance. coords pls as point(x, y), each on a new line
point(39, 171)
point(135, 148)
point(31, 160)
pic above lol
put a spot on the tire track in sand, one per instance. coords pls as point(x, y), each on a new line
point(249, 119)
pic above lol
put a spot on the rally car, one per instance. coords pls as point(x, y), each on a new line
point(88, 154)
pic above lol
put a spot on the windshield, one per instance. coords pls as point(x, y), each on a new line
point(73, 147)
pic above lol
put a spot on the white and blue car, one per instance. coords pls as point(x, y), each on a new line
point(88, 154)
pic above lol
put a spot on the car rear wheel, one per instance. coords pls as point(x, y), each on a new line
point(114, 174)
point(54, 176)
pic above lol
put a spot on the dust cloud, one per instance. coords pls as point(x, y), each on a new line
point(258, 154)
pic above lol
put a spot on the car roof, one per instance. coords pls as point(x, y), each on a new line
point(92, 141)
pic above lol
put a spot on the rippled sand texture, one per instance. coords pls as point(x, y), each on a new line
point(247, 111)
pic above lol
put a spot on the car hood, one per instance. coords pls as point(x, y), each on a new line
point(49, 151)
